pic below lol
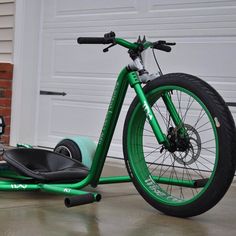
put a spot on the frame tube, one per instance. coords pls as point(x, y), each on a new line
point(10, 185)
point(161, 180)
point(16, 186)
point(109, 126)
point(65, 191)
point(126, 44)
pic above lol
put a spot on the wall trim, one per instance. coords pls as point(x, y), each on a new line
point(25, 74)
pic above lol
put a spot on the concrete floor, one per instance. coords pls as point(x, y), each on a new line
point(121, 212)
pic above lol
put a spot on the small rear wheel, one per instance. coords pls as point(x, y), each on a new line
point(193, 175)
point(69, 148)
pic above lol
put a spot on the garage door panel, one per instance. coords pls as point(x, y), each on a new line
point(86, 58)
point(62, 56)
point(90, 7)
point(71, 118)
point(75, 117)
point(202, 56)
point(68, 118)
point(188, 4)
point(83, 92)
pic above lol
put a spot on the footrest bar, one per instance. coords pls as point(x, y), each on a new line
point(78, 197)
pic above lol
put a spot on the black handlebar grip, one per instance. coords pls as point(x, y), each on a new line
point(162, 47)
point(81, 199)
point(94, 40)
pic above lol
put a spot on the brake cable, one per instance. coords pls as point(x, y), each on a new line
point(158, 66)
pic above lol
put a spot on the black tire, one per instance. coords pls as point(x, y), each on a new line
point(224, 166)
point(69, 148)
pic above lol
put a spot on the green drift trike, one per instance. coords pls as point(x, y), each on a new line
point(178, 142)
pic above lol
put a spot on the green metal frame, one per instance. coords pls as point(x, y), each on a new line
point(125, 78)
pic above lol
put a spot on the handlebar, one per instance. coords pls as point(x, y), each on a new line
point(95, 40)
point(109, 38)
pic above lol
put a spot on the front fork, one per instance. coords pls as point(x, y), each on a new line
point(160, 136)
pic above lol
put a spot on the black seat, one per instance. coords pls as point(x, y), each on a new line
point(45, 165)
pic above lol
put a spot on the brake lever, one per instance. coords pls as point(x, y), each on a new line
point(107, 48)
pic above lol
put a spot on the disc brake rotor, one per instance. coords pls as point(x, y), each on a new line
point(191, 154)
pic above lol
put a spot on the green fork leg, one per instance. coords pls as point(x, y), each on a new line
point(174, 114)
point(135, 83)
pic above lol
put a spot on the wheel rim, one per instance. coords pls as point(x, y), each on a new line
point(63, 150)
point(148, 164)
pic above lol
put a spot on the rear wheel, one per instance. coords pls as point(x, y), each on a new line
point(194, 175)
point(69, 148)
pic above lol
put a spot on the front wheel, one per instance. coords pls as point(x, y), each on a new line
point(194, 175)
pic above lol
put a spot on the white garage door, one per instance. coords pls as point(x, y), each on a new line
point(204, 32)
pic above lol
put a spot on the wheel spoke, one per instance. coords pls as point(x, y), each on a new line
point(162, 116)
point(179, 104)
point(150, 153)
point(188, 107)
point(158, 158)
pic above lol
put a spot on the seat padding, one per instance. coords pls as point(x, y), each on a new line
point(45, 165)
